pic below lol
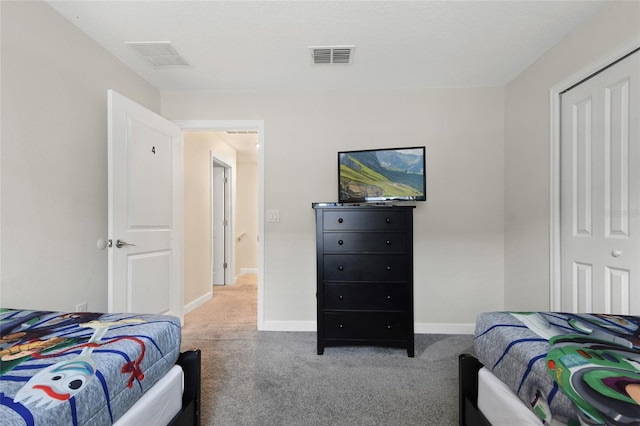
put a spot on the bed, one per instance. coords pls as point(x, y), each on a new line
point(533, 368)
point(84, 368)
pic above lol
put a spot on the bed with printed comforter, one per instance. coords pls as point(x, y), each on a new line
point(80, 368)
point(567, 368)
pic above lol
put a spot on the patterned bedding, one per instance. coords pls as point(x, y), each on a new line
point(569, 368)
point(80, 368)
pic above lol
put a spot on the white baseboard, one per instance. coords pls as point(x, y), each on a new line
point(419, 328)
point(247, 271)
point(198, 302)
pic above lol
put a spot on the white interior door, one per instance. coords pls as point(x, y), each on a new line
point(145, 210)
point(218, 225)
point(600, 192)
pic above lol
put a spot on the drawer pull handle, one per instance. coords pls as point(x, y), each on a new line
point(341, 297)
point(388, 220)
point(340, 242)
point(388, 242)
point(389, 327)
point(340, 268)
point(389, 297)
point(340, 220)
point(340, 326)
point(388, 268)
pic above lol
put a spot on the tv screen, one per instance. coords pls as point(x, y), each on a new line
point(381, 175)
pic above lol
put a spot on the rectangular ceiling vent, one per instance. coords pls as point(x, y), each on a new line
point(331, 55)
point(160, 54)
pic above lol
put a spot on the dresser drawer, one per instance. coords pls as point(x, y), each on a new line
point(365, 219)
point(376, 242)
point(366, 267)
point(365, 325)
point(369, 296)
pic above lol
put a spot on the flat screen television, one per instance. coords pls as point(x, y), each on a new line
point(382, 175)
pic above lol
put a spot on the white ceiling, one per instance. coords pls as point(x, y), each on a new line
point(399, 44)
point(265, 44)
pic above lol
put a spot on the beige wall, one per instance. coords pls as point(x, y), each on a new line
point(54, 158)
point(481, 239)
point(458, 231)
point(198, 148)
point(247, 217)
point(527, 139)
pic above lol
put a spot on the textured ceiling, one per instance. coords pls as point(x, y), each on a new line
point(398, 44)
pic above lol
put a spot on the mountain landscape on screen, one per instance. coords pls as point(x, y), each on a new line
point(378, 175)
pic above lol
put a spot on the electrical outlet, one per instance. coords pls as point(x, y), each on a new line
point(81, 307)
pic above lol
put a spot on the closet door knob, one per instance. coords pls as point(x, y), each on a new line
point(340, 220)
point(388, 242)
point(340, 242)
point(340, 268)
point(388, 268)
point(388, 220)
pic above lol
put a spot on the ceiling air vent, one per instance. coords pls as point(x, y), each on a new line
point(331, 54)
point(160, 54)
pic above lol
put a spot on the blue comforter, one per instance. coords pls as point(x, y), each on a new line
point(566, 367)
point(80, 368)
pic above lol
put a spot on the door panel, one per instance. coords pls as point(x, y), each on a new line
point(616, 160)
point(148, 282)
point(582, 190)
point(617, 290)
point(145, 210)
point(600, 192)
point(149, 192)
point(581, 291)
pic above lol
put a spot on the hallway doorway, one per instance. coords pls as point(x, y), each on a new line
point(243, 238)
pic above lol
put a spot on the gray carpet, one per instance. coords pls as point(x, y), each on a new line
point(276, 378)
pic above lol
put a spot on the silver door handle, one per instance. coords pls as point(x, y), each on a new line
point(616, 253)
point(120, 244)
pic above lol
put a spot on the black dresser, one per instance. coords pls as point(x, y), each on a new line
point(365, 276)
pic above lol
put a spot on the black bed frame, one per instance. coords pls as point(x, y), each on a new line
point(469, 413)
point(189, 415)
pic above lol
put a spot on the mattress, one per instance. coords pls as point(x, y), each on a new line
point(80, 368)
point(566, 367)
point(158, 405)
point(500, 405)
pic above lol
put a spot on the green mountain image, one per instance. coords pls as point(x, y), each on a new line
point(364, 176)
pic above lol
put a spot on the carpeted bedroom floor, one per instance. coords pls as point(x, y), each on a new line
point(276, 378)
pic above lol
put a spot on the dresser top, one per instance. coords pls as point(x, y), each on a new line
point(328, 205)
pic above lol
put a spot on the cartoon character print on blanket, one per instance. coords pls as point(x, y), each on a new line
point(62, 380)
point(49, 358)
point(595, 359)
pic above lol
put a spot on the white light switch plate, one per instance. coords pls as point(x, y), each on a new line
point(273, 215)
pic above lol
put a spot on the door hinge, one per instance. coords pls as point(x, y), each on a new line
point(224, 265)
point(225, 222)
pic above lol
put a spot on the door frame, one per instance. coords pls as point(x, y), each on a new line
point(229, 252)
point(555, 248)
point(257, 125)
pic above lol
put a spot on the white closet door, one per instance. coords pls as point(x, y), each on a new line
point(600, 192)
